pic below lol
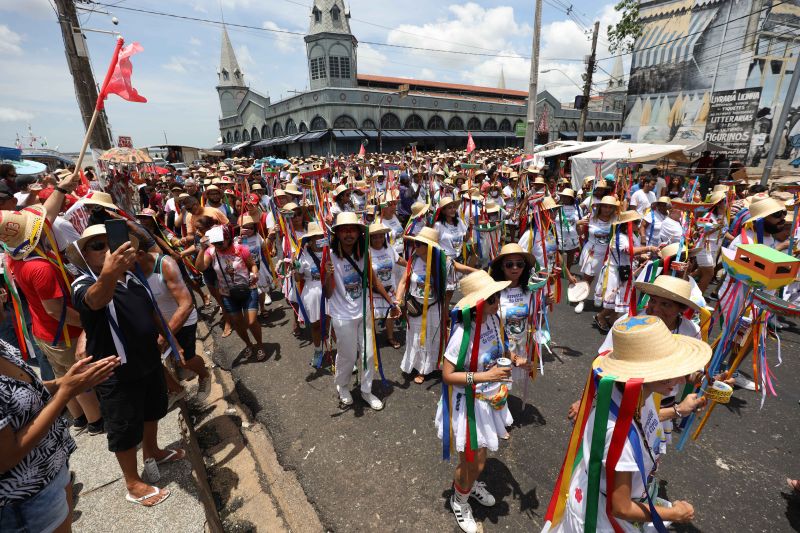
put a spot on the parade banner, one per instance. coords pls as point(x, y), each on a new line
point(731, 115)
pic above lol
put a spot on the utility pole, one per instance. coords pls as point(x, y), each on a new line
point(81, 69)
point(776, 135)
point(530, 130)
point(587, 82)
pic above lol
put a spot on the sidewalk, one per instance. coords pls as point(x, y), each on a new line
point(100, 490)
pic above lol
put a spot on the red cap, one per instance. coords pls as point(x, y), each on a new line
point(253, 198)
point(69, 199)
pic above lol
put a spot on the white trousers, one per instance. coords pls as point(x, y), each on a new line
point(349, 345)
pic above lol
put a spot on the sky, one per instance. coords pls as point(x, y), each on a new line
point(177, 71)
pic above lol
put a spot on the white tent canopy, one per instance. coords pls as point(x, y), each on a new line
point(568, 147)
point(615, 151)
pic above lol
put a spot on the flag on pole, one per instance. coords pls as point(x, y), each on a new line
point(470, 144)
point(362, 151)
point(119, 81)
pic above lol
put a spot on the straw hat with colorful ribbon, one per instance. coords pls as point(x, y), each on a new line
point(418, 209)
point(548, 203)
point(426, 235)
point(377, 228)
point(513, 248)
point(645, 349)
point(669, 287)
point(20, 231)
point(314, 230)
point(292, 189)
point(627, 216)
point(347, 218)
point(340, 189)
point(608, 200)
point(478, 286)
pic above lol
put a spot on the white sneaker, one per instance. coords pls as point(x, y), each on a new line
point(480, 493)
point(742, 382)
point(203, 389)
point(267, 298)
point(372, 400)
point(579, 307)
point(463, 514)
point(344, 396)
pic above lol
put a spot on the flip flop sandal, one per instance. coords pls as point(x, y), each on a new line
point(141, 501)
point(227, 333)
point(174, 455)
point(420, 379)
point(261, 355)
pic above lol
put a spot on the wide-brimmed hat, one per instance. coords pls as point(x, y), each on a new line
point(289, 206)
point(765, 208)
point(492, 207)
point(256, 187)
point(292, 189)
point(569, 193)
point(426, 235)
point(75, 250)
point(478, 286)
point(671, 250)
point(377, 228)
point(671, 288)
point(444, 202)
point(549, 203)
point(644, 348)
point(314, 230)
point(720, 188)
point(20, 230)
point(247, 219)
point(717, 196)
point(664, 200)
point(418, 209)
point(347, 218)
point(100, 198)
point(539, 181)
point(513, 248)
point(340, 189)
point(627, 216)
point(608, 200)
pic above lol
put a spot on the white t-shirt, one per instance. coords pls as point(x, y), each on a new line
point(654, 221)
point(489, 352)
point(417, 278)
point(169, 206)
point(396, 233)
point(383, 261)
point(671, 231)
point(514, 310)
point(451, 238)
point(308, 267)
point(642, 200)
point(64, 232)
point(535, 248)
point(346, 300)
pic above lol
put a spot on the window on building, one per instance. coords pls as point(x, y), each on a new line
point(436, 123)
point(225, 75)
point(254, 134)
point(414, 122)
point(318, 123)
point(490, 124)
point(264, 132)
point(277, 130)
point(474, 124)
point(318, 68)
point(389, 121)
point(344, 67)
point(228, 137)
point(302, 128)
point(245, 135)
point(238, 74)
point(317, 14)
point(335, 13)
point(505, 125)
point(291, 127)
point(236, 136)
point(333, 67)
point(455, 123)
point(368, 124)
point(344, 122)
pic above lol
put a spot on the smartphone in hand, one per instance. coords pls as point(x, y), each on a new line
point(117, 232)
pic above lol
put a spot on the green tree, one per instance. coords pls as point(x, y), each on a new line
point(622, 35)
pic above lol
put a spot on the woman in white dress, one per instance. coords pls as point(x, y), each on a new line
point(650, 227)
point(477, 381)
point(596, 226)
point(567, 226)
point(452, 231)
point(423, 356)
point(644, 349)
point(307, 273)
point(384, 259)
point(712, 228)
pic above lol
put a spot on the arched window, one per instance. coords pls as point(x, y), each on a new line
point(302, 128)
point(277, 130)
point(291, 127)
point(616, 126)
point(389, 121)
point(264, 132)
point(318, 123)
point(414, 122)
point(436, 123)
point(343, 122)
point(490, 124)
point(474, 124)
point(564, 126)
point(505, 125)
point(228, 137)
point(573, 126)
point(254, 135)
point(335, 13)
point(236, 136)
point(225, 75)
point(317, 14)
point(245, 135)
point(455, 123)
point(368, 124)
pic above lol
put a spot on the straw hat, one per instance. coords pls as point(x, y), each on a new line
point(717, 196)
point(671, 288)
point(292, 189)
point(256, 187)
point(569, 193)
point(492, 207)
point(664, 200)
point(549, 203)
point(764, 208)
point(389, 196)
point(444, 202)
point(539, 181)
point(513, 248)
point(608, 200)
point(418, 209)
point(290, 206)
point(627, 216)
point(20, 230)
point(212, 188)
point(100, 198)
point(340, 189)
point(478, 286)
point(720, 188)
point(347, 218)
point(426, 235)
point(313, 231)
point(644, 348)
point(377, 228)
point(671, 250)
point(279, 192)
point(75, 250)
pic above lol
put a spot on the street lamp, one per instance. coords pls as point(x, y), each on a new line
point(563, 73)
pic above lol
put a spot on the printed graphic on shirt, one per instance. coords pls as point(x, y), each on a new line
point(352, 284)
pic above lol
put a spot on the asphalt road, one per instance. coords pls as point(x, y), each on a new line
point(382, 471)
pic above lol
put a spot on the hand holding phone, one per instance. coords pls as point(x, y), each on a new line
point(117, 232)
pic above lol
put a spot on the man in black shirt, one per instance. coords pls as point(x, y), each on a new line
point(110, 298)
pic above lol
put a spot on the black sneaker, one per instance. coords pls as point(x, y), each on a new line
point(95, 428)
point(79, 425)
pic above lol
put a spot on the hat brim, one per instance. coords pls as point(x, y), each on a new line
point(528, 257)
point(75, 250)
point(471, 300)
point(690, 356)
point(359, 224)
point(656, 290)
point(37, 213)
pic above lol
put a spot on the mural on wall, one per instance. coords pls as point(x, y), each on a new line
point(696, 58)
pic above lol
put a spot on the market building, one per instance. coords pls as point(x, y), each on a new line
point(344, 107)
point(716, 70)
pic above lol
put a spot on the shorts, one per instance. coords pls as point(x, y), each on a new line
point(60, 357)
point(187, 339)
point(127, 405)
point(43, 512)
point(237, 306)
point(210, 277)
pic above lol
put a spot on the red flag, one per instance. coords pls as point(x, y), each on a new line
point(120, 81)
point(362, 151)
point(470, 144)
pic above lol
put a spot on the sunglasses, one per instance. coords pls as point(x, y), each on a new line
point(491, 300)
point(779, 214)
point(97, 246)
point(514, 264)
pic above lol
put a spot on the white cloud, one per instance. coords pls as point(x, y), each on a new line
point(8, 114)
point(32, 8)
point(244, 57)
point(181, 64)
point(370, 60)
point(194, 41)
point(9, 41)
point(283, 41)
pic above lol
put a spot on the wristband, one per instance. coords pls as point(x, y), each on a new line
point(470, 379)
point(61, 190)
point(677, 413)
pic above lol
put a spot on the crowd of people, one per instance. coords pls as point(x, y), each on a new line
point(468, 253)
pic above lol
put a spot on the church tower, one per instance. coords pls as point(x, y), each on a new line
point(330, 46)
point(230, 86)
